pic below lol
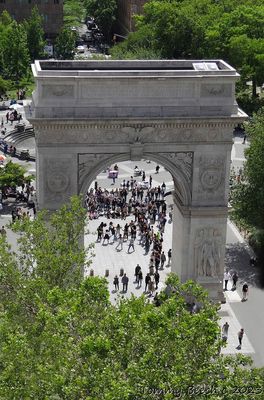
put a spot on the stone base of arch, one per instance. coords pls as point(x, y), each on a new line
point(198, 247)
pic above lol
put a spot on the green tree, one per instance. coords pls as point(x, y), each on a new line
point(5, 29)
point(172, 28)
point(65, 44)
point(104, 12)
point(35, 35)
point(61, 338)
point(238, 37)
point(15, 54)
point(4, 86)
point(74, 12)
point(12, 175)
point(52, 251)
point(248, 195)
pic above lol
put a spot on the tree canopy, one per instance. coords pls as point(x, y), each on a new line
point(74, 12)
point(65, 44)
point(12, 174)
point(35, 35)
point(19, 43)
point(248, 195)
point(62, 338)
point(104, 12)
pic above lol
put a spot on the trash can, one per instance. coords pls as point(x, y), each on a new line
point(20, 127)
point(24, 155)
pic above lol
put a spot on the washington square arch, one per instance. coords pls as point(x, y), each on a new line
point(88, 115)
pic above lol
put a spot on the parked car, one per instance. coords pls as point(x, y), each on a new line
point(80, 49)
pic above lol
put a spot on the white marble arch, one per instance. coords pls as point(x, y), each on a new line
point(179, 113)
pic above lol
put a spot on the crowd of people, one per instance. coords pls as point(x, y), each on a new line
point(146, 209)
point(132, 198)
point(152, 278)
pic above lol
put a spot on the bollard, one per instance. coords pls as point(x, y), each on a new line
point(121, 271)
point(91, 272)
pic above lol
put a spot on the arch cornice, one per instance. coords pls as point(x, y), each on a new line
point(189, 123)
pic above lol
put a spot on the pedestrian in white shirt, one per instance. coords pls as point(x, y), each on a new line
point(227, 277)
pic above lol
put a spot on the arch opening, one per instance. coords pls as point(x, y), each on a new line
point(133, 200)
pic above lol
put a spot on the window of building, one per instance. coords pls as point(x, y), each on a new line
point(56, 1)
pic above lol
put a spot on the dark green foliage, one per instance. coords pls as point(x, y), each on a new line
point(248, 195)
point(35, 35)
point(65, 44)
point(61, 338)
point(104, 12)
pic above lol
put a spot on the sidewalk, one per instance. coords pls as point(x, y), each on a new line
point(227, 315)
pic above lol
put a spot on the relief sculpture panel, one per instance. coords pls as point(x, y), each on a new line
point(211, 178)
point(57, 180)
point(57, 91)
point(207, 252)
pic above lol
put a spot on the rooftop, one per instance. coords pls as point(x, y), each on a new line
point(133, 67)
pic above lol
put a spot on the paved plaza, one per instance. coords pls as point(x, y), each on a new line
point(247, 315)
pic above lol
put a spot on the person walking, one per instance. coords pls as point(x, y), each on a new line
point(3, 231)
point(151, 287)
point(131, 244)
point(225, 331)
point(235, 279)
point(147, 280)
point(162, 260)
point(125, 283)
point(150, 181)
point(226, 278)
point(245, 292)
point(156, 278)
point(240, 337)
point(137, 269)
point(106, 237)
point(120, 242)
point(140, 278)
point(169, 257)
point(116, 283)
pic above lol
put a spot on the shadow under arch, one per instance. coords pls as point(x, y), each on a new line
point(182, 187)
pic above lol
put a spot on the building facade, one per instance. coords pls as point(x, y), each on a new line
point(126, 11)
point(51, 10)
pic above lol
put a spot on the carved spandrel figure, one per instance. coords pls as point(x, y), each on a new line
point(207, 252)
